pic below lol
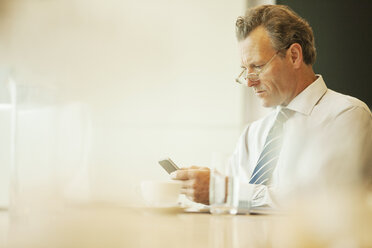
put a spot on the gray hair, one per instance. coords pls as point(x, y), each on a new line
point(284, 27)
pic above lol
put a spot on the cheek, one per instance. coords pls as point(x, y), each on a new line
point(279, 87)
point(270, 80)
point(271, 86)
point(277, 84)
point(280, 91)
point(283, 76)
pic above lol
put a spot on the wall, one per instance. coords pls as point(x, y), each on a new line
point(156, 76)
point(343, 34)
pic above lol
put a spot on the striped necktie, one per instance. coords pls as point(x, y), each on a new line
point(270, 153)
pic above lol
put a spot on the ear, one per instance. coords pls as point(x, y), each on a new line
point(295, 55)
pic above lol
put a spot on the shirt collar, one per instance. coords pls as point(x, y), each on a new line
point(308, 98)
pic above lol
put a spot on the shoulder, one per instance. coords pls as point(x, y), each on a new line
point(339, 104)
point(342, 113)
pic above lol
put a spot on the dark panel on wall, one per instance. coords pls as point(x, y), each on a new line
point(343, 39)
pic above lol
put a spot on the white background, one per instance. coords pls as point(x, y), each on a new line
point(156, 76)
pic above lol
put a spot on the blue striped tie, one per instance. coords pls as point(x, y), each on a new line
point(270, 153)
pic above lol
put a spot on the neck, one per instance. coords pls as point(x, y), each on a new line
point(308, 76)
point(305, 76)
point(302, 78)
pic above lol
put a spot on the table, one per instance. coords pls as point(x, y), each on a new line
point(109, 226)
point(112, 226)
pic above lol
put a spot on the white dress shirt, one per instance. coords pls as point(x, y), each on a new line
point(328, 135)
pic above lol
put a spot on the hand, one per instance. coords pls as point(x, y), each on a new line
point(195, 183)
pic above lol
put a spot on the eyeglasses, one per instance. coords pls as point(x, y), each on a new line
point(253, 76)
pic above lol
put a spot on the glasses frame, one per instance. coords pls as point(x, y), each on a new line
point(253, 76)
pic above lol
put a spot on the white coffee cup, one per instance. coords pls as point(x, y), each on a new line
point(161, 193)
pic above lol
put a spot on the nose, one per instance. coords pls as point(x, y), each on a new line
point(251, 83)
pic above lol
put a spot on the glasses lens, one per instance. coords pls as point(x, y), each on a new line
point(240, 79)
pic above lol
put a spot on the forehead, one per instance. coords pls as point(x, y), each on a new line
point(256, 46)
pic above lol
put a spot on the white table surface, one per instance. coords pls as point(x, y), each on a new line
point(107, 226)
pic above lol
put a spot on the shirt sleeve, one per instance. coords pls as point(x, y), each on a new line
point(257, 194)
point(343, 157)
point(350, 136)
point(335, 156)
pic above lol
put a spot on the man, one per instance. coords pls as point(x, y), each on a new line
point(301, 135)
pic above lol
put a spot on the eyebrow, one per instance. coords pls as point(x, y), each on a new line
point(251, 65)
point(255, 62)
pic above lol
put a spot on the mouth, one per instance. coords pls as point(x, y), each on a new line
point(259, 92)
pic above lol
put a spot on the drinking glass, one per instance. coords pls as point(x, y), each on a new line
point(224, 185)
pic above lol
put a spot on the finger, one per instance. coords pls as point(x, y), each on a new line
point(194, 167)
point(188, 184)
point(187, 173)
point(197, 173)
point(180, 175)
point(189, 168)
point(188, 192)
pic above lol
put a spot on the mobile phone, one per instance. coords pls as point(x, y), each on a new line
point(168, 165)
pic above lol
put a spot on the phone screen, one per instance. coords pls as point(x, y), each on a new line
point(168, 165)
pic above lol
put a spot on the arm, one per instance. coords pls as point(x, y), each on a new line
point(195, 185)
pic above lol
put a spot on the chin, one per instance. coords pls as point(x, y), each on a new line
point(270, 101)
point(267, 104)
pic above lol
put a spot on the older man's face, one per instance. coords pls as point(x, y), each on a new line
point(275, 86)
